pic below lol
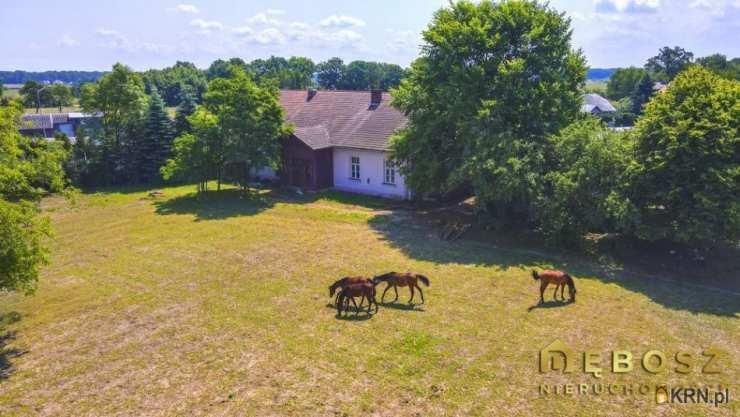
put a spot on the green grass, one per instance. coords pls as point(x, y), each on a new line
point(50, 110)
point(10, 92)
point(218, 305)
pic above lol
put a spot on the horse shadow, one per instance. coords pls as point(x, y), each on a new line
point(550, 304)
point(402, 306)
point(352, 315)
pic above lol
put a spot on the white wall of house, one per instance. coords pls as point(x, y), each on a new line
point(372, 174)
point(264, 173)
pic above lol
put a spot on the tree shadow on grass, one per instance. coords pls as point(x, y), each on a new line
point(217, 205)
point(420, 241)
point(7, 354)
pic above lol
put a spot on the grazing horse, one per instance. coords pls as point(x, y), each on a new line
point(342, 283)
point(402, 279)
point(365, 290)
point(560, 279)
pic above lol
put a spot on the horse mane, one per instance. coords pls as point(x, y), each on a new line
point(384, 277)
point(569, 281)
point(333, 287)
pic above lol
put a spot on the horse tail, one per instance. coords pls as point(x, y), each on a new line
point(535, 275)
point(423, 279)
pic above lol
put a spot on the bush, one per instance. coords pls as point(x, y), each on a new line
point(685, 179)
point(584, 189)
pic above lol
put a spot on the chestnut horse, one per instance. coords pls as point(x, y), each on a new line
point(402, 279)
point(342, 283)
point(560, 279)
point(364, 289)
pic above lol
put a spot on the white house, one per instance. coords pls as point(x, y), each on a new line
point(341, 142)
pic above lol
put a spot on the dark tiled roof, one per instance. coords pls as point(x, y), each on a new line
point(341, 118)
point(591, 101)
point(37, 121)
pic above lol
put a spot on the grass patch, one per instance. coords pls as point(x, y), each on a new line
point(217, 304)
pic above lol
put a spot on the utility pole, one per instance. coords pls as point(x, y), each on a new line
point(38, 98)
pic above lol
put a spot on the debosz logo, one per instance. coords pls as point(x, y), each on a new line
point(559, 357)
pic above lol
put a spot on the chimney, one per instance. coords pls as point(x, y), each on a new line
point(376, 96)
point(311, 93)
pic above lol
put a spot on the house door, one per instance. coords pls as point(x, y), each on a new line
point(301, 173)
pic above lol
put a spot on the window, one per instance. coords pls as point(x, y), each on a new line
point(355, 165)
point(389, 172)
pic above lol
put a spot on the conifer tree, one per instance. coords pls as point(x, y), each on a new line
point(186, 107)
point(156, 144)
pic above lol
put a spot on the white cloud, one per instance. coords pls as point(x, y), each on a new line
point(242, 30)
point(185, 8)
point(113, 39)
point(116, 40)
point(342, 21)
point(263, 18)
point(68, 41)
point(627, 6)
point(269, 36)
point(275, 12)
point(206, 26)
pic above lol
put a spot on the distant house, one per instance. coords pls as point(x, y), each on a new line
point(341, 141)
point(659, 86)
point(46, 125)
point(595, 104)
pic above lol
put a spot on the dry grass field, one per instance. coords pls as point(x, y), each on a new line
point(188, 306)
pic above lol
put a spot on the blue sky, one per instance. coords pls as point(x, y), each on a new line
point(88, 35)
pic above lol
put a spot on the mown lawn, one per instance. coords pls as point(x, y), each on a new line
point(219, 306)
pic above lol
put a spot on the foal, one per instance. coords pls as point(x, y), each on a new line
point(365, 289)
point(344, 282)
point(560, 279)
point(402, 279)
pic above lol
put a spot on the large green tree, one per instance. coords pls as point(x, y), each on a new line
point(585, 183)
point(172, 82)
point(623, 82)
point(727, 68)
point(669, 62)
point(36, 95)
point(493, 81)
point(119, 97)
point(29, 168)
point(239, 125)
point(330, 73)
point(60, 95)
point(687, 172)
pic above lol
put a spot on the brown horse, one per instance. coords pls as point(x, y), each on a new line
point(402, 279)
point(365, 290)
point(560, 279)
point(342, 283)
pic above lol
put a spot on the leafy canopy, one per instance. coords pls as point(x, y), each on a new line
point(29, 168)
point(493, 81)
point(687, 171)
